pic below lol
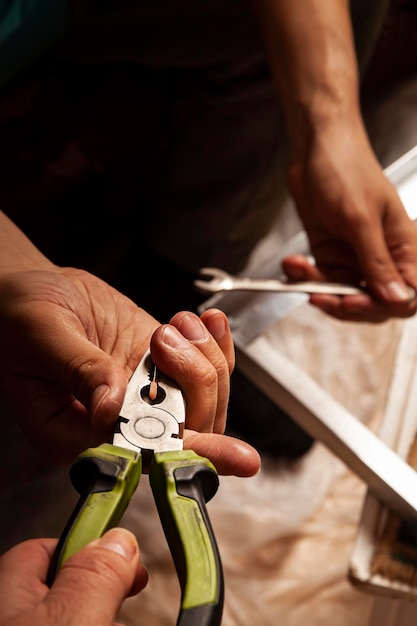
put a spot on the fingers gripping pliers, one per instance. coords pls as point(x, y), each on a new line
point(148, 438)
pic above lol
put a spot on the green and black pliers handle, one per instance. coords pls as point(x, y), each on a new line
point(182, 482)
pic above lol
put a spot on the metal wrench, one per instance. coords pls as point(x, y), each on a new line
point(214, 280)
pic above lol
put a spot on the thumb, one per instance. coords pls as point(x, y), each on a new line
point(93, 583)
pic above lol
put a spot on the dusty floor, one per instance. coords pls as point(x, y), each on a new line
point(286, 535)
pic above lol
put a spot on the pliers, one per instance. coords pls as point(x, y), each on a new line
point(148, 438)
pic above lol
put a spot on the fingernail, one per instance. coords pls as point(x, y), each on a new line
point(192, 328)
point(217, 325)
point(396, 292)
point(411, 293)
point(121, 541)
point(173, 338)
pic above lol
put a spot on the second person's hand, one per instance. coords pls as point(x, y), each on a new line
point(358, 228)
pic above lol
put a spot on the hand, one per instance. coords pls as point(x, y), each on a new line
point(357, 226)
point(89, 588)
point(70, 343)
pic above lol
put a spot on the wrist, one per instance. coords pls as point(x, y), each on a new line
point(17, 252)
point(323, 119)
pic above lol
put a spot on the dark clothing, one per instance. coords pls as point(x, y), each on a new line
point(151, 120)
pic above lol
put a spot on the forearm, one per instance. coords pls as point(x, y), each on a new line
point(312, 57)
point(17, 252)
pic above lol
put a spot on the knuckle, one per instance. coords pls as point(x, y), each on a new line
point(103, 568)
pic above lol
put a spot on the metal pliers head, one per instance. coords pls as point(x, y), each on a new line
point(152, 417)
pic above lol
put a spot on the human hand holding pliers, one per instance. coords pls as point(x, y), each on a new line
point(148, 437)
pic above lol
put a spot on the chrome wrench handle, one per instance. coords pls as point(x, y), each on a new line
point(215, 280)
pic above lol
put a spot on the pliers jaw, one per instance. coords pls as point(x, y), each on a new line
point(152, 417)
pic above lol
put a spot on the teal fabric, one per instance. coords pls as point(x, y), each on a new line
point(27, 29)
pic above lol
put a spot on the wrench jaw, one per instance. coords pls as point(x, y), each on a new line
point(204, 287)
point(213, 280)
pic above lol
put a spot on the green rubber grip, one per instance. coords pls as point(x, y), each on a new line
point(182, 482)
point(106, 478)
